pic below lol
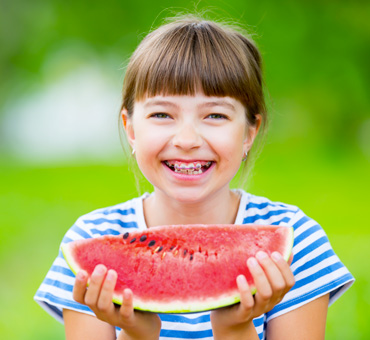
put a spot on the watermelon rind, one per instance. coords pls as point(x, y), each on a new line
point(66, 251)
point(289, 244)
point(179, 306)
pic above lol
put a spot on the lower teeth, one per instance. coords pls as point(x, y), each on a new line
point(189, 172)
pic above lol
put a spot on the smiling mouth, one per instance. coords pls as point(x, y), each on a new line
point(192, 168)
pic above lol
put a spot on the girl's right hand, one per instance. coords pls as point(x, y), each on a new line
point(98, 297)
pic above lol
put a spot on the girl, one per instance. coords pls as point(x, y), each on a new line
point(192, 107)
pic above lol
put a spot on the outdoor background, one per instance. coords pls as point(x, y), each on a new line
point(61, 69)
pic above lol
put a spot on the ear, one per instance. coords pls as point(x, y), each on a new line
point(128, 126)
point(252, 133)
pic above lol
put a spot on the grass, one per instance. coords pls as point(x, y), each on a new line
point(40, 203)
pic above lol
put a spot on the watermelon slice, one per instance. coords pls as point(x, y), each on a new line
point(180, 268)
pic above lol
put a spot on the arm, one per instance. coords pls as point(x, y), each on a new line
point(83, 326)
point(305, 322)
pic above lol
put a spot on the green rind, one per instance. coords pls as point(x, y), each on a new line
point(289, 248)
point(192, 307)
point(65, 248)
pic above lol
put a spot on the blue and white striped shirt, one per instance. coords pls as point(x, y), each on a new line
point(316, 267)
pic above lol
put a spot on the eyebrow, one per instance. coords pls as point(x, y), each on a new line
point(220, 102)
point(159, 102)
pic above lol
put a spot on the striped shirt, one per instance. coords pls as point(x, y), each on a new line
point(316, 267)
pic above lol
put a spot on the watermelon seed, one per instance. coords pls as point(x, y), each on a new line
point(164, 254)
point(158, 249)
point(133, 240)
point(191, 256)
point(143, 238)
point(125, 235)
point(185, 252)
point(172, 247)
point(151, 243)
point(175, 253)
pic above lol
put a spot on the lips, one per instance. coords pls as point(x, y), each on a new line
point(188, 168)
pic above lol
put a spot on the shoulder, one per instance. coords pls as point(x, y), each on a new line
point(307, 232)
point(261, 210)
point(112, 220)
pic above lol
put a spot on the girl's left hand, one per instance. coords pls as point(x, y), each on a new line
point(273, 279)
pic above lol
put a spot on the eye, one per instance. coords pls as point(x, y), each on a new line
point(159, 115)
point(217, 116)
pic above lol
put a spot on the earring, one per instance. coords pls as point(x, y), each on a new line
point(245, 157)
point(133, 151)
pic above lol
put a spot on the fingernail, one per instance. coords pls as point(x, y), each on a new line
point(276, 256)
point(81, 275)
point(126, 294)
point(252, 262)
point(99, 270)
point(110, 275)
point(242, 281)
point(261, 255)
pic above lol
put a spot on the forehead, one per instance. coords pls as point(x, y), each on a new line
point(198, 100)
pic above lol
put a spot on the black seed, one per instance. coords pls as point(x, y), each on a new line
point(191, 257)
point(143, 238)
point(172, 247)
point(133, 240)
point(151, 243)
point(185, 252)
point(125, 235)
point(159, 249)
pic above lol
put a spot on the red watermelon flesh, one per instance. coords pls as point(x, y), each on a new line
point(180, 268)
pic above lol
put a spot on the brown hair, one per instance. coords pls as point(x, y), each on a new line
point(191, 54)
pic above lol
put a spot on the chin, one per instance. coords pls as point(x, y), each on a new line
point(187, 196)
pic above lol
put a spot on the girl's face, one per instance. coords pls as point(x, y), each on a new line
point(189, 147)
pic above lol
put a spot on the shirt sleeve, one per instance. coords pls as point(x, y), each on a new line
point(55, 292)
point(316, 268)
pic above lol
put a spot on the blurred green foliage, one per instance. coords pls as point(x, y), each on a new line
point(316, 155)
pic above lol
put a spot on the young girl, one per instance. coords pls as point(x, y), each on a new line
point(192, 106)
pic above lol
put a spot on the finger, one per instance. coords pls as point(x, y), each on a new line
point(290, 260)
point(127, 308)
point(79, 288)
point(96, 280)
point(246, 297)
point(106, 293)
point(274, 276)
point(284, 270)
point(264, 290)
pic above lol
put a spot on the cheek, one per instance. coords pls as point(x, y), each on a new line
point(149, 144)
point(230, 144)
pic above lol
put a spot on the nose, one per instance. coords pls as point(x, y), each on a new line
point(187, 137)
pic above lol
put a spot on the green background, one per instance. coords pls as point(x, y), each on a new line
point(316, 155)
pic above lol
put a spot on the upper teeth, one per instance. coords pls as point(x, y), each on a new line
point(188, 168)
point(184, 166)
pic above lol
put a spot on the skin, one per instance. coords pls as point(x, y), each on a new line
point(194, 128)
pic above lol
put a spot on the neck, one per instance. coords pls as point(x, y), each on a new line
point(221, 208)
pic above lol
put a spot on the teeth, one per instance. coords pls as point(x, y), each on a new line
point(189, 171)
point(188, 168)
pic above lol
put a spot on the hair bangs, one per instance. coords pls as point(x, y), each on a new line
point(189, 59)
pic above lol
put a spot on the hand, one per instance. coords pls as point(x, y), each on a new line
point(98, 296)
point(273, 279)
